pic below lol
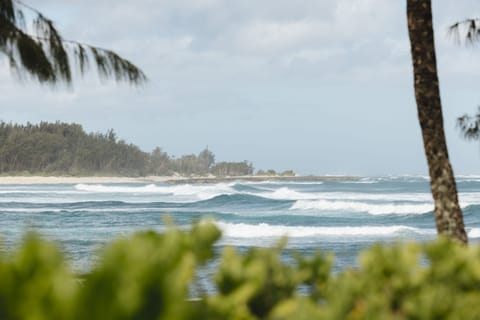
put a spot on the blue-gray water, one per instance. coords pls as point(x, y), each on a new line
point(341, 217)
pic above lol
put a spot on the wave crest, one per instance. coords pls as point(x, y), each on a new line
point(201, 192)
point(371, 208)
point(243, 230)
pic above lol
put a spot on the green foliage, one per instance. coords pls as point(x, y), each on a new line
point(439, 280)
point(255, 284)
point(146, 276)
point(63, 148)
point(243, 168)
point(35, 283)
point(252, 284)
point(273, 173)
point(288, 173)
point(149, 276)
point(67, 149)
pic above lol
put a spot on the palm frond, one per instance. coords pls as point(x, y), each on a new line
point(34, 59)
point(81, 58)
point(7, 10)
point(46, 55)
point(466, 31)
point(469, 126)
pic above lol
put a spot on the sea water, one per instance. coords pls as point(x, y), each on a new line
point(342, 217)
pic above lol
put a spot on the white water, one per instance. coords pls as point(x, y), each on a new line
point(199, 192)
point(350, 206)
point(262, 230)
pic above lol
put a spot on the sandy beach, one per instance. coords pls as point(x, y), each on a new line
point(160, 179)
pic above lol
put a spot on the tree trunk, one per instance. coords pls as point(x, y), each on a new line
point(448, 214)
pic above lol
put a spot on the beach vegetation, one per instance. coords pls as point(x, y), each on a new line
point(269, 172)
point(66, 149)
point(288, 173)
point(273, 173)
point(152, 275)
point(61, 148)
point(243, 168)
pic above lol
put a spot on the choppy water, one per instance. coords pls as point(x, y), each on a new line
point(342, 217)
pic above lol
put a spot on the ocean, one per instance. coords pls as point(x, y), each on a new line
point(342, 217)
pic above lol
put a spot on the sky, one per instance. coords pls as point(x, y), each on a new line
point(320, 87)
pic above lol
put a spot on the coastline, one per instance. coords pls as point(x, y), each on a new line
point(6, 180)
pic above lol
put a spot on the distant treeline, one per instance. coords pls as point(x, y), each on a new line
point(64, 148)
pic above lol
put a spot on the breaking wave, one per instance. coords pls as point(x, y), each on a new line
point(371, 208)
point(243, 230)
point(201, 192)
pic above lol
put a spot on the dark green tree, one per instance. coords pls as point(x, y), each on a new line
point(448, 214)
point(46, 55)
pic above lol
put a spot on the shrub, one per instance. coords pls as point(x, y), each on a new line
point(149, 276)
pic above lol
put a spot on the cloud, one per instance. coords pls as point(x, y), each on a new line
point(229, 72)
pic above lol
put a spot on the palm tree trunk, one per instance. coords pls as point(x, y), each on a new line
point(448, 214)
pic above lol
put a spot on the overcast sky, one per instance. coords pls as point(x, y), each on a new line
point(320, 87)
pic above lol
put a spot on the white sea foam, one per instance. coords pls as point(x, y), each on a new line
point(360, 182)
point(423, 198)
point(279, 182)
point(371, 208)
point(151, 188)
point(363, 180)
point(416, 178)
point(39, 200)
point(404, 177)
point(103, 209)
point(469, 198)
point(201, 192)
point(37, 192)
point(30, 210)
point(286, 193)
point(468, 178)
point(262, 230)
point(474, 233)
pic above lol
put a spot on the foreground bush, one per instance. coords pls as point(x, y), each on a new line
point(150, 276)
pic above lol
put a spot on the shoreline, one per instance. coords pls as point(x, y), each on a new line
point(24, 180)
